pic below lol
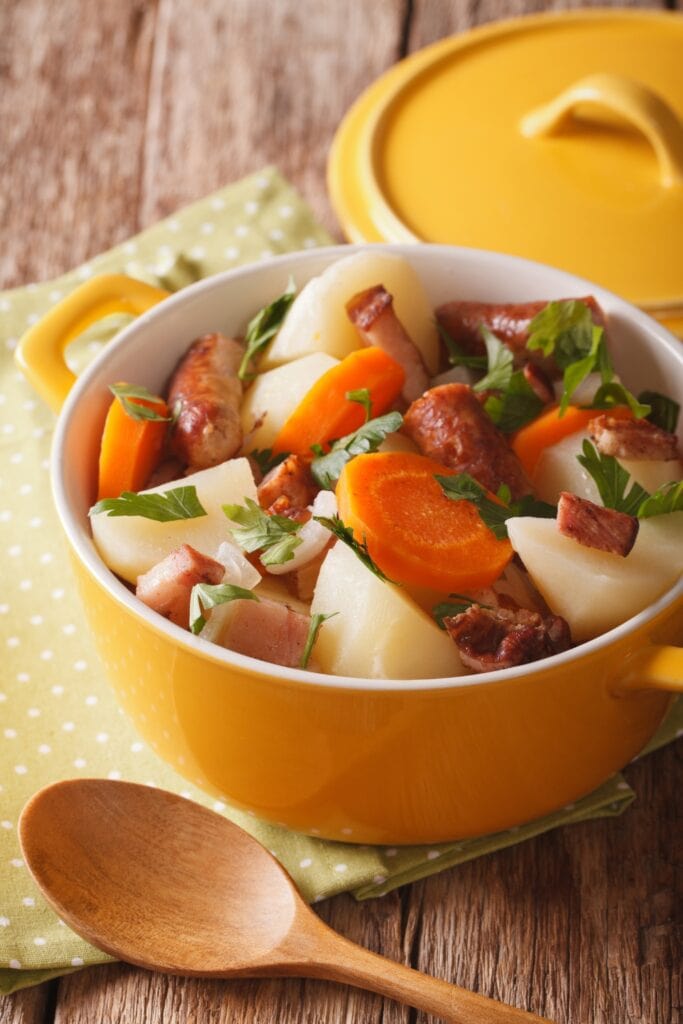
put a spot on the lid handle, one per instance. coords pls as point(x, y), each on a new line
point(632, 101)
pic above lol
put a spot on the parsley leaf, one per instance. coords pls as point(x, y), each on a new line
point(345, 534)
point(499, 361)
point(162, 506)
point(564, 330)
point(275, 535)
point(494, 514)
point(445, 609)
point(613, 393)
point(612, 480)
point(265, 460)
point(362, 397)
point(456, 356)
point(265, 325)
point(313, 630)
point(663, 410)
point(516, 406)
point(326, 469)
point(206, 595)
point(136, 411)
point(667, 498)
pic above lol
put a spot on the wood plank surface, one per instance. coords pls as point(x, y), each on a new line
point(114, 114)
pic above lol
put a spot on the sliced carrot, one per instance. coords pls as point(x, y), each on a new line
point(130, 448)
point(325, 414)
point(414, 533)
point(551, 428)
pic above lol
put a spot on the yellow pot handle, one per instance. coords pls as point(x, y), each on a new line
point(40, 353)
point(654, 668)
point(631, 100)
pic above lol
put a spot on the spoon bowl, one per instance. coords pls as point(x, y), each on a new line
point(164, 883)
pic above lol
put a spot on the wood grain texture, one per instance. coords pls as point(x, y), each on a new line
point(30, 1006)
point(240, 85)
point(73, 95)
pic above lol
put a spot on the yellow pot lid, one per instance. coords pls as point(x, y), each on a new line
point(558, 137)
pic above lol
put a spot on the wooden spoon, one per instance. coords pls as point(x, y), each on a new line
point(166, 884)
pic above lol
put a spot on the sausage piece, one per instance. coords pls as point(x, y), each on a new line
point(488, 639)
point(167, 586)
point(638, 440)
point(205, 395)
point(449, 425)
point(372, 314)
point(291, 480)
point(509, 321)
point(595, 526)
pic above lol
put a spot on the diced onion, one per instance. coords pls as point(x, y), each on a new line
point(314, 536)
point(238, 569)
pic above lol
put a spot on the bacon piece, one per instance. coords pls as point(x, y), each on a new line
point(167, 586)
point(267, 630)
point(638, 440)
point(539, 381)
point(372, 314)
point(205, 395)
point(288, 488)
point(490, 639)
point(449, 425)
point(595, 526)
point(509, 321)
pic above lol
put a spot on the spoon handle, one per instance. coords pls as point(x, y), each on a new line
point(338, 959)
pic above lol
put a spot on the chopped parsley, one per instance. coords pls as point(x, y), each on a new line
point(313, 630)
point(264, 326)
point(517, 403)
point(126, 392)
point(326, 469)
point(265, 460)
point(612, 481)
point(345, 534)
point(162, 506)
point(663, 410)
point(446, 609)
point(456, 356)
point(494, 514)
point(206, 595)
point(362, 397)
point(258, 531)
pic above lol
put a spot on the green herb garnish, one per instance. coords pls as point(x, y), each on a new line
point(136, 411)
point(206, 595)
point(456, 356)
point(313, 630)
point(494, 514)
point(263, 327)
point(345, 534)
point(446, 609)
point(162, 506)
point(362, 397)
point(326, 469)
point(265, 460)
point(256, 531)
point(613, 393)
point(500, 364)
point(612, 481)
point(663, 410)
point(517, 403)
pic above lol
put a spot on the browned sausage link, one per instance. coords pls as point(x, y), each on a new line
point(292, 479)
point(594, 526)
point(449, 425)
point(509, 321)
point(489, 639)
point(372, 314)
point(205, 395)
point(639, 440)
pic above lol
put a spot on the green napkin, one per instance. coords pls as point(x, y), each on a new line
point(58, 718)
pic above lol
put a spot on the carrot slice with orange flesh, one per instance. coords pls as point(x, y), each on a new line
point(551, 428)
point(325, 414)
point(414, 533)
point(130, 448)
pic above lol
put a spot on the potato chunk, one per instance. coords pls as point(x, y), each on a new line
point(318, 321)
point(595, 590)
point(130, 546)
point(275, 394)
point(379, 632)
point(559, 469)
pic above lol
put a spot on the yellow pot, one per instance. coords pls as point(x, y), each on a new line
point(353, 759)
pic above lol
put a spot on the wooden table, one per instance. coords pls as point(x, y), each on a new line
point(113, 115)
